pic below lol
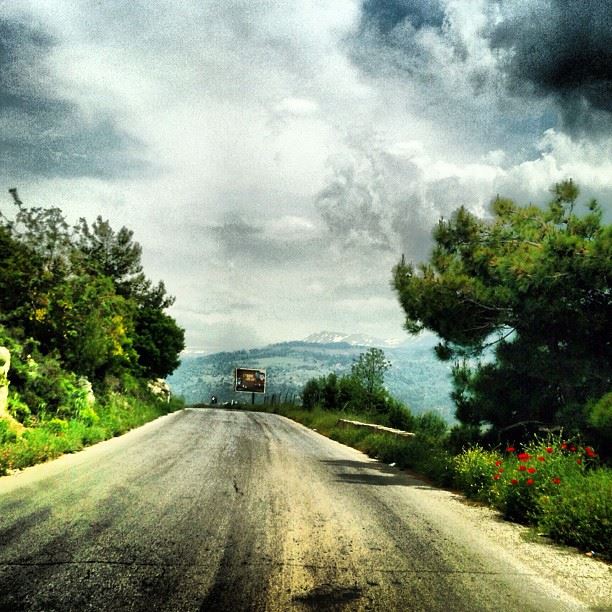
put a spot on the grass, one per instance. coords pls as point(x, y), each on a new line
point(53, 437)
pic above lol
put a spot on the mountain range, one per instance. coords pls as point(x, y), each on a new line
point(416, 376)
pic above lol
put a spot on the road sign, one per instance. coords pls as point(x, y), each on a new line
point(249, 380)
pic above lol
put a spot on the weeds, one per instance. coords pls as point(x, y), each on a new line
point(54, 437)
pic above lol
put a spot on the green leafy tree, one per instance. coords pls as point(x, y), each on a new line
point(522, 302)
point(81, 293)
point(370, 368)
point(158, 341)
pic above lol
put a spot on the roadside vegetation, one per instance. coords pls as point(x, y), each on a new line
point(521, 302)
point(84, 336)
point(52, 437)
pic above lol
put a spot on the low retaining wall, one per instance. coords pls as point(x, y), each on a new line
point(375, 428)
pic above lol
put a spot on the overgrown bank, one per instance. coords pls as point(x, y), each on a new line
point(114, 415)
point(557, 485)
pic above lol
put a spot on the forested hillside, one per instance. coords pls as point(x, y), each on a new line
point(416, 377)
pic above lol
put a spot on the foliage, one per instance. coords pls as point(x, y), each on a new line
point(83, 324)
point(368, 373)
point(600, 421)
point(80, 294)
point(581, 512)
point(473, 471)
point(360, 391)
point(55, 436)
point(527, 293)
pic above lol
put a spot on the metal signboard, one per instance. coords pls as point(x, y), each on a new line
point(249, 380)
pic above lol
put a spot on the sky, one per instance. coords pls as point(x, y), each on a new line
point(276, 158)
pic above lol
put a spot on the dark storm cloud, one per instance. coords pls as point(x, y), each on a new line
point(563, 49)
point(42, 135)
point(385, 15)
point(387, 37)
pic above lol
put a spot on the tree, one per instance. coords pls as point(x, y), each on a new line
point(369, 373)
point(522, 302)
point(158, 341)
point(81, 292)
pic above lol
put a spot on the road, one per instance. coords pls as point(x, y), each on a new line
point(228, 510)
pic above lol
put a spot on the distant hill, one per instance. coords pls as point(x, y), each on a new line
point(416, 377)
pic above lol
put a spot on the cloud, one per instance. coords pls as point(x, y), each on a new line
point(265, 245)
point(388, 15)
point(561, 49)
point(436, 66)
point(386, 197)
point(43, 134)
point(276, 159)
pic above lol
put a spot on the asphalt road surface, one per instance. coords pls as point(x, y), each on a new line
point(228, 510)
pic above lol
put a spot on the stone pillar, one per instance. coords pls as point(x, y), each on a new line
point(5, 364)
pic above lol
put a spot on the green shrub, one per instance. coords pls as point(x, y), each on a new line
point(473, 471)
point(537, 472)
point(600, 419)
point(56, 426)
point(18, 408)
point(580, 511)
point(399, 416)
point(431, 425)
point(463, 436)
point(5, 460)
point(6, 435)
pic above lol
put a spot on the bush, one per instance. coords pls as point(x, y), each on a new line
point(580, 513)
point(56, 426)
point(6, 435)
point(431, 425)
point(600, 419)
point(18, 408)
point(463, 436)
point(537, 472)
point(399, 416)
point(473, 472)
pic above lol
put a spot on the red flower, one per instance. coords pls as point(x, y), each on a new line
point(524, 457)
point(514, 481)
point(579, 461)
point(549, 449)
point(589, 451)
point(556, 480)
point(564, 445)
point(500, 471)
point(530, 481)
point(572, 448)
point(495, 476)
point(532, 470)
point(510, 449)
point(522, 468)
point(541, 459)
point(498, 463)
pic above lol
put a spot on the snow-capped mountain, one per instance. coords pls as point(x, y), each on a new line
point(327, 337)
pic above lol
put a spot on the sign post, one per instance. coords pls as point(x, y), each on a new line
point(250, 380)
